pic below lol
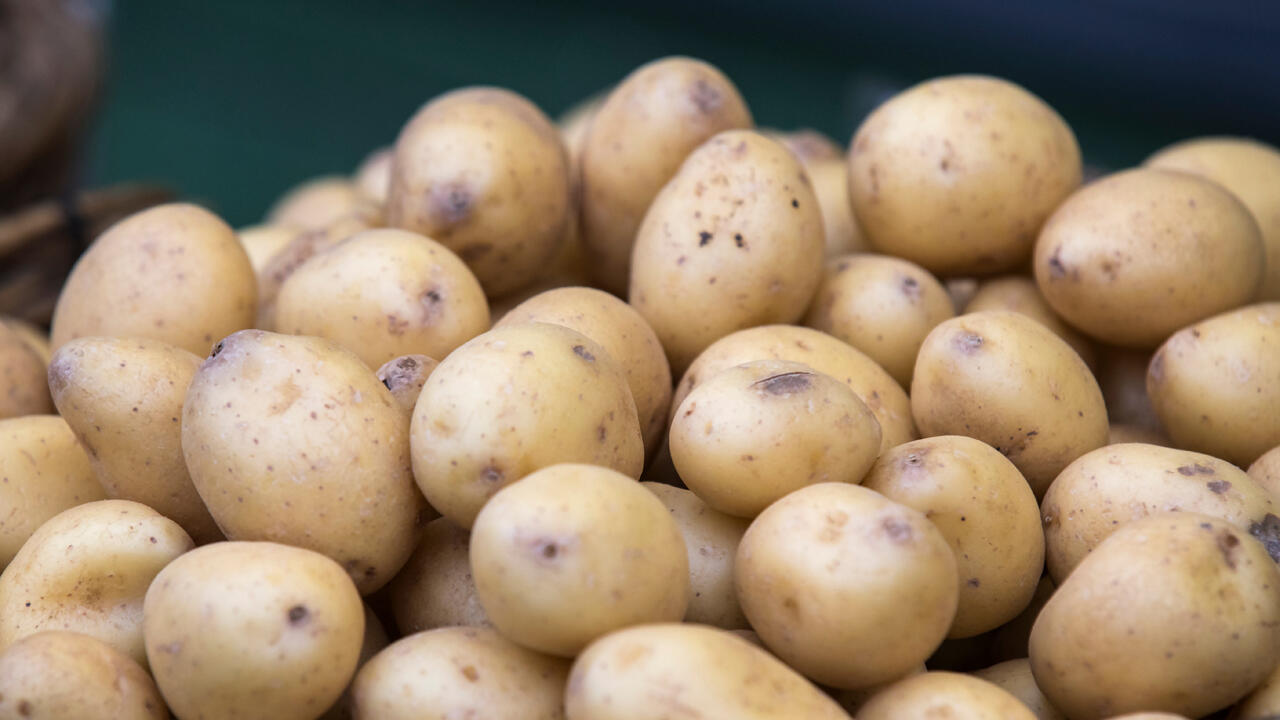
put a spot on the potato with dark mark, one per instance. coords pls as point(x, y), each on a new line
point(22, 371)
point(174, 273)
point(373, 177)
point(1216, 385)
point(485, 173)
point(882, 306)
point(944, 694)
point(845, 585)
point(304, 246)
point(637, 141)
point(987, 513)
point(1133, 257)
point(1018, 293)
point(1015, 678)
point(1122, 376)
point(573, 552)
point(263, 242)
point(958, 173)
point(404, 377)
point(830, 180)
point(1007, 380)
point(293, 440)
point(1177, 612)
point(253, 630)
point(315, 204)
point(750, 434)
point(1265, 471)
point(56, 674)
point(1009, 641)
point(436, 588)
point(513, 400)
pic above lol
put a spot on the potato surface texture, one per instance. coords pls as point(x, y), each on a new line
point(57, 674)
point(944, 694)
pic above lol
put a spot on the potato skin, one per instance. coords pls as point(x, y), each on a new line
point(373, 177)
point(944, 694)
point(1015, 678)
point(1018, 293)
point(404, 377)
point(22, 387)
point(315, 204)
point(59, 674)
point(436, 588)
point(1263, 702)
point(304, 246)
point(1265, 471)
point(263, 242)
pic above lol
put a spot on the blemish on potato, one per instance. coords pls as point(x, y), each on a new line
point(1196, 469)
point(583, 353)
point(737, 240)
point(704, 237)
point(1057, 269)
point(785, 383)
point(898, 531)
point(451, 202)
point(1227, 544)
point(470, 674)
point(491, 474)
point(298, 615)
point(705, 98)
point(967, 342)
point(1267, 532)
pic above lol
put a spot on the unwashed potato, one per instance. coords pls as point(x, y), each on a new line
point(1216, 385)
point(55, 674)
point(1133, 257)
point(263, 242)
point(373, 177)
point(22, 390)
point(1015, 678)
point(305, 245)
point(404, 377)
point(1122, 376)
point(252, 630)
point(35, 337)
point(436, 588)
point(175, 273)
point(1265, 471)
point(1018, 293)
point(830, 180)
point(315, 204)
point(944, 694)
point(1177, 612)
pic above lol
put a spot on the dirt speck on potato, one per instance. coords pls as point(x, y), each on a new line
point(298, 615)
point(1227, 544)
point(1196, 469)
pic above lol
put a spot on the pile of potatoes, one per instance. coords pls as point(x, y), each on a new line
point(656, 414)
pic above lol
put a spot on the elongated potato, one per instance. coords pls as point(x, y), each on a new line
point(22, 390)
point(436, 588)
point(59, 674)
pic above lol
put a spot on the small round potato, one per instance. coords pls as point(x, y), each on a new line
point(1122, 376)
point(435, 588)
point(263, 242)
point(56, 674)
point(404, 377)
point(315, 204)
point(753, 433)
point(1018, 293)
point(23, 390)
point(1265, 471)
point(572, 552)
point(373, 177)
point(944, 694)
point(830, 180)
point(1015, 678)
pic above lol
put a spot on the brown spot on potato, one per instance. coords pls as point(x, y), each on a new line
point(791, 606)
point(601, 432)
point(216, 349)
point(583, 353)
point(1267, 532)
point(705, 98)
point(898, 531)
point(491, 474)
point(1057, 269)
point(785, 383)
point(1196, 469)
point(973, 582)
point(1227, 544)
point(24, 708)
point(298, 615)
point(470, 674)
point(450, 203)
point(1218, 486)
point(737, 240)
point(967, 342)
point(795, 203)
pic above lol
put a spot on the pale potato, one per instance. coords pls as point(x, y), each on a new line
point(373, 177)
point(404, 377)
point(315, 204)
point(23, 390)
point(304, 246)
point(263, 242)
point(57, 674)
point(436, 588)
point(944, 694)
point(830, 180)
point(1015, 678)
point(1263, 703)
point(1018, 293)
point(1265, 471)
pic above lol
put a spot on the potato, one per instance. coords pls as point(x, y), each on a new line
point(86, 570)
point(1015, 678)
point(485, 173)
point(23, 390)
point(252, 630)
point(1007, 380)
point(750, 434)
point(846, 586)
point(711, 539)
point(876, 388)
point(373, 177)
point(306, 245)
point(1263, 703)
point(1149, 716)
point(459, 672)
point(985, 511)
point(1097, 264)
point(404, 377)
point(123, 399)
point(1216, 385)
point(621, 331)
point(561, 398)
point(957, 174)
point(174, 273)
point(435, 588)
point(853, 700)
point(1018, 293)
point(36, 338)
point(1009, 641)
point(55, 674)
point(375, 641)
point(810, 147)
point(1176, 612)
point(688, 671)
point(1251, 171)
point(293, 440)
point(1122, 376)
point(882, 306)
point(1265, 471)
point(961, 290)
point(263, 242)
point(944, 694)
point(1119, 433)
point(315, 204)
point(637, 141)
point(45, 472)
point(830, 180)
point(572, 552)
point(1105, 489)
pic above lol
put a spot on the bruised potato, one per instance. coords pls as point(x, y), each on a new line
point(59, 674)
point(944, 694)
point(404, 377)
point(436, 588)
point(23, 390)
point(1018, 293)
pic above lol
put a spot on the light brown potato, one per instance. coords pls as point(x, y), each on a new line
point(637, 141)
point(944, 694)
point(86, 570)
point(876, 388)
point(853, 700)
point(1096, 264)
point(55, 674)
point(1015, 678)
point(174, 273)
point(293, 440)
point(1265, 471)
point(1105, 489)
point(846, 586)
point(315, 204)
point(750, 434)
point(253, 630)
point(485, 173)
point(1177, 612)
point(1216, 385)
point(573, 552)
point(830, 180)
point(375, 641)
point(561, 398)
point(1119, 433)
point(35, 337)
point(692, 669)
point(810, 147)
point(1007, 380)
point(263, 242)
point(123, 399)
point(1149, 716)
point(1009, 641)
point(1122, 376)
point(711, 539)
point(733, 241)
point(460, 672)
point(1018, 293)
point(881, 305)
point(404, 377)
point(304, 246)
point(1263, 703)
point(435, 588)
point(373, 177)
point(23, 390)
point(957, 174)
point(985, 511)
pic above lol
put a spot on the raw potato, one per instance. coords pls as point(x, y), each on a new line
point(958, 173)
point(56, 674)
point(435, 588)
point(457, 673)
point(830, 180)
point(751, 434)
point(175, 273)
point(1265, 471)
point(1149, 716)
point(809, 146)
point(252, 630)
point(35, 337)
point(1018, 293)
point(1007, 380)
point(1133, 257)
point(846, 586)
point(881, 305)
point(513, 400)
point(1177, 612)
point(315, 204)
point(123, 399)
point(23, 390)
point(263, 242)
point(693, 670)
point(292, 439)
point(485, 173)
point(1122, 377)
point(573, 552)
point(373, 177)
point(987, 513)
point(853, 700)
point(1263, 703)
point(404, 377)
point(711, 539)
point(637, 141)
point(1015, 678)
point(303, 247)
point(944, 694)
point(1105, 489)
point(86, 570)
point(382, 294)
point(1216, 385)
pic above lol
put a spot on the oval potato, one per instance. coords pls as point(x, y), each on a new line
point(945, 694)
point(1018, 293)
point(1015, 678)
point(59, 674)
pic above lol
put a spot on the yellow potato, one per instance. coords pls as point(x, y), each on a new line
point(1263, 703)
point(304, 246)
point(263, 242)
point(1018, 293)
point(944, 694)
point(35, 337)
point(404, 377)
point(373, 177)
point(1122, 376)
point(315, 204)
point(853, 700)
point(435, 588)
point(375, 641)
point(830, 180)
point(23, 389)
point(57, 674)
point(1265, 471)
point(1015, 678)
point(810, 147)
